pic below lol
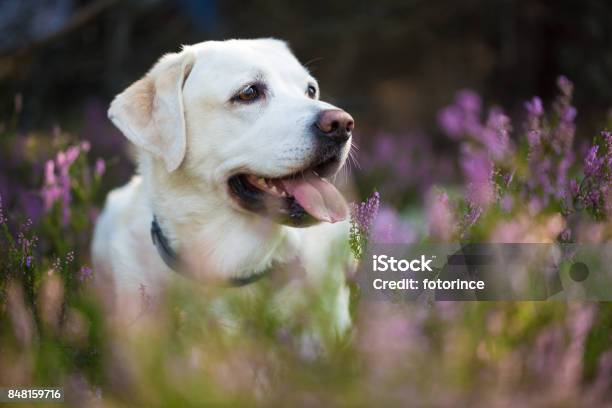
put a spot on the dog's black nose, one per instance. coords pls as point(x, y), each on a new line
point(335, 124)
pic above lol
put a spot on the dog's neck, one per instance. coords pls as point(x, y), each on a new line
point(211, 236)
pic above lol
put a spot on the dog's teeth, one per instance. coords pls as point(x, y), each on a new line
point(261, 182)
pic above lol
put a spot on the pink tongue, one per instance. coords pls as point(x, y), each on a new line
point(318, 197)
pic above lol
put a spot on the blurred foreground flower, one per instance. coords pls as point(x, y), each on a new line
point(100, 167)
point(441, 217)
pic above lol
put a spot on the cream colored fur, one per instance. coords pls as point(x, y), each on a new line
point(190, 139)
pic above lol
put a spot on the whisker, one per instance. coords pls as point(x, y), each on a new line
point(312, 61)
point(353, 158)
point(347, 173)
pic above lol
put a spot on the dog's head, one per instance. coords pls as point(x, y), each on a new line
point(244, 117)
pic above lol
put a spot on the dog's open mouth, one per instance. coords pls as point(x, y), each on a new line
point(298, 199)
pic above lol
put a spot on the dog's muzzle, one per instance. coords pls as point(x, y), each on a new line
point(305, 197)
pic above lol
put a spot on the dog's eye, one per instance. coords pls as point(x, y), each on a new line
point(249, 94)
point(311, 91)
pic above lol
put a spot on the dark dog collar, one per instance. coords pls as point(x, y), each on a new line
point(172, 260)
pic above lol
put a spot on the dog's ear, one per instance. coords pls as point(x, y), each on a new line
point(150, 112)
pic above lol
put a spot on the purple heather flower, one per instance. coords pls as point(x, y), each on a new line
point(533, 138)
point(50, 172)
point(569, 114)
point(451, 121)
point(476, 166)
point(49, 195)
point(534, 107)
point(592, 198)
point(607, 136)
point(564, 111)
point(362, 217)
point(486, 144)
point(51, 190)
point(562, 170)
point(65, 159)
point(468, 101)
point(550, 154)
point(472, 215)
point(390, 228)
point(574, 188)
point(462, 117)
point(495, 136)
point(480, 194)
point(365, 213)
point(565, 85)
point(57, 181)
point(85, 273)
point(593, 163)
point(100, 167)
point(440, 216)
point(66, 200)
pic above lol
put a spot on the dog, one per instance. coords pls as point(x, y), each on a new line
point(235, 153)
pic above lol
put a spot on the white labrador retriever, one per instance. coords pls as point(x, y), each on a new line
point(234, 152)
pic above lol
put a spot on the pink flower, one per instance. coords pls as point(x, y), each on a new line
point(534, 107)
point(85, 273)
point(50, 172)
point(592, 163)
point(365, 213)
point(390, 228)
point(476, 166)
point(100, 167)
point(565, 85)
point(440, 216)
point(451, 121)
point(469, 101)
point(57, 181)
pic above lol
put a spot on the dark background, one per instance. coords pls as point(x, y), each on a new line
point(392, 64)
